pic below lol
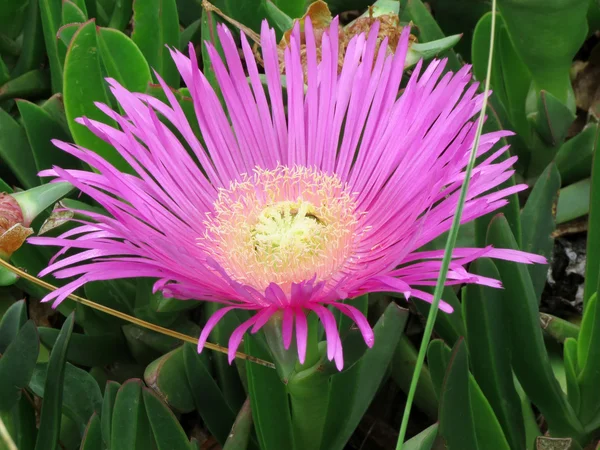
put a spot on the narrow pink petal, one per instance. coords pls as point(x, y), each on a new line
point(301, 334)
point(210, 324)
point(237, 335)
point(287, 326)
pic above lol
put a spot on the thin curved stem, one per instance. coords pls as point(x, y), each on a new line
point(450, 243)
point(131, 319)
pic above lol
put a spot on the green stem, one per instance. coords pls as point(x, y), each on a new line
point(449, 246)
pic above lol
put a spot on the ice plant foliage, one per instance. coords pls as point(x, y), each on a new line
point(287, 212)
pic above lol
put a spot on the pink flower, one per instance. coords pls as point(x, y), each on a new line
point(287, 213)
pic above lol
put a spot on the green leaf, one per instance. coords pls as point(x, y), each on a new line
point(92, 438)
point(588, 361)
point(155, 26)
point(424, 440)
point(130, 428)
point(457, 426)
point(50, 416)
point(449, 326)
point(558, 328)
point(529, 357)
point(190, 34)
point(15, 151)
point(226, 374)
point(168, 434)
point(50, 11)
point(546, 37)
point(438, 355)
point(537, 219)
point(428, 29)
point(81, 393)
point(34, 83)
point(83, 85)
point(121, 15)
point(405, 358)
point(571, 372)
point(206, 395)
point(429, 50)
point(489, 351)
point(239, 437)
point(33, 51)
point(35, 200)
point(7, 278)
point(12, 321)
point(269, 401)
point(552, 119)
point(574, 158)
point(90, 351)
point(294, 9)
point(123, 60)
point(66, 33)
point(574, 202)
point(20, 422)
point(108, 404)
point(167, 377)
point(279, 18)
point(12, 15)
point(510, 78)
point(592, 269)
point(71, 13)
point(351, 391)
point(41, 128)
point(17, 364)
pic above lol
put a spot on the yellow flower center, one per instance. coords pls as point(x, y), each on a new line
point(283, 226)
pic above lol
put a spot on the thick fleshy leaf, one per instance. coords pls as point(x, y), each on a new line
point(428, 29)
point(574, 202)
point(84, 85)
point(123, 60)
point(546, 37)
point(592, 269)
point(166, 429)
point(17, 364)
point(269, 401)
point(20, 423)
point(239, 437)
point(12, 321)
point(81, 393)
point(352, 390)
point(558, 328)
point(489, 351)
point(71, 13)
point(50, 11)
point(449, 326)
point(156, 26)
point(121, 15)
point(529, 357)
point(108, 404)
point(92, 438)
point(571, 373)
point(405, 356)
point(552, 119)
point(33, 52)
point(130, 428)
point(457, 425)
point(424, 440)
point(89, 351)
point(537, 220)
point(206, 395)
point(41, 128)
point(574, 158)
point(588, 361)
point(50, 418)
point(510, 79)
point(15, 151)
point(167, 377)
point(35, 200)
point(226, 375)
